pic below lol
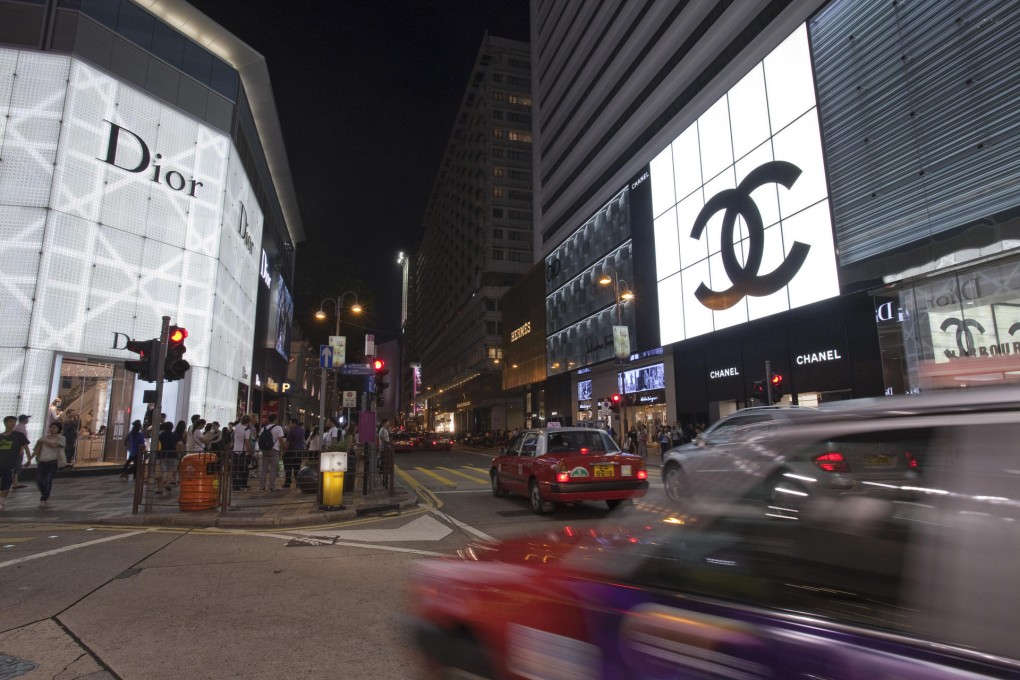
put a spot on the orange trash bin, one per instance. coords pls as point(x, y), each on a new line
point(200, 482)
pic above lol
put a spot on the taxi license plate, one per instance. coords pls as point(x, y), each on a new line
point(878, 461)
point(603, 470)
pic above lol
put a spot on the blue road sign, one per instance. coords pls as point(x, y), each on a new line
point(357, 369)
point(325, 356)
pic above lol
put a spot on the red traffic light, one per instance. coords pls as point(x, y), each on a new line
point(378, 364)
point(777, 380)
point(177, 335)
point(616, 398)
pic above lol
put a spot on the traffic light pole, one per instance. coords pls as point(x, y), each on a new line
point(157, 409)
point(768, 382)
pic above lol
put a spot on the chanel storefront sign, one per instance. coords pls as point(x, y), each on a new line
point(755, 239)
point(731, 372)
point(816, 357)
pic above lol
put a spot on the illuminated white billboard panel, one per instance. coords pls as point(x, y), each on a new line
point(743, 228)
point(117, 210)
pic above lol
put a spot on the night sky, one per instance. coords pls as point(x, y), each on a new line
point(367, 92)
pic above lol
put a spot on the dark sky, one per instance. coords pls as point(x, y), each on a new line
point(367, 92)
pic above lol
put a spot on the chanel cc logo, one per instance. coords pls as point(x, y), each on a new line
point(745, 279)
point(964, 337)
point(1014, 328)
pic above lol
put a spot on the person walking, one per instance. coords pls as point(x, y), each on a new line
point(166, 458)
point(71, 428)
point(135, 443)
point(242, 454)
point(48, 451)
point(21, 427)
point(196, 441)
point(270, 440)
point(295, 449)
point(12, 445)
point(331, 434)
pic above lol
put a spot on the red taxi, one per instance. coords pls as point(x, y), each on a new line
point(567, 465)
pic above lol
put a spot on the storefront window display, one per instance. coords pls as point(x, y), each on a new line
point(95, 398)
point(960, 330)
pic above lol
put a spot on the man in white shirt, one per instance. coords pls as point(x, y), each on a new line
point(271, 456)
point(331, 434)
point(242, 453)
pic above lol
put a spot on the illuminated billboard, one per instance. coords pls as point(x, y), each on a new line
point(743, 228)
point(117, 210)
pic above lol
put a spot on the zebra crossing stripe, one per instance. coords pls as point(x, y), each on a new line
point(439, 478)
point(477, 480)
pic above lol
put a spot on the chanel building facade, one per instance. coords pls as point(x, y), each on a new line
point(831, 189)
point(142, 176)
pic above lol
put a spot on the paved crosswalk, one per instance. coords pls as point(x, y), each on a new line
point(467, 477)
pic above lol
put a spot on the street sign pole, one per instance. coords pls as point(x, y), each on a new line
point(157, 409)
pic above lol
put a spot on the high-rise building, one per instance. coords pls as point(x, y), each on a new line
point(477, 242)
point(826, 190)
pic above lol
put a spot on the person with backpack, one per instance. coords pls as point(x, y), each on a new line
point(269, 445)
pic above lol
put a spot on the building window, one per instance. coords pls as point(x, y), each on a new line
point(497, 254)
point(492, 328)
point(497, 115)
point(497, 212)
point(497, 133)
point(497, 233)
point(519, 100)
point(497, 96)
point(497, 77)
point(497, 171)
point(497, 152)
point(497, 192)
point(492, 304)
point(518, 136)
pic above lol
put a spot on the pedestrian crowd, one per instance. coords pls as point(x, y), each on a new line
point(55, 449)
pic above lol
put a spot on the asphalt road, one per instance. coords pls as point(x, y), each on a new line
point(314, 602)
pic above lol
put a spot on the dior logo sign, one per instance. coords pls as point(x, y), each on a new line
point(127, 151)
point(745, 278)
point(242, 228)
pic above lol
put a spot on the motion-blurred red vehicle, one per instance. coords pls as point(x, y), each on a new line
point(567, 465)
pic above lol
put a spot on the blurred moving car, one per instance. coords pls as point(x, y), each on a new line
point(918, 583)
point(404, 441)
point(566, 465)
point(437, 441)
point(791, 460)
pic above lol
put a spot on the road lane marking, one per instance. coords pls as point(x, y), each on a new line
point(457, 523)
point(484, 480)
point(424, 528)
point(346, 544)
point(68, 548)
point(439, 478)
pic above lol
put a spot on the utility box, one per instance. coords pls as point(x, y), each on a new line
point(332, 467)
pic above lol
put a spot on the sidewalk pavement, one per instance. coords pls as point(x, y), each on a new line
point(106, 499)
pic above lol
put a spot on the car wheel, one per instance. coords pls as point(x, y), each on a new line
point(784, 499)
point(535, 496)
point(676, 485)
point(497, 489)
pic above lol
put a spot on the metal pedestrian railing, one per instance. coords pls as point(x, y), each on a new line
point(209, 480)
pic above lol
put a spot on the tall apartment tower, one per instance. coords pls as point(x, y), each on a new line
point(477, 242)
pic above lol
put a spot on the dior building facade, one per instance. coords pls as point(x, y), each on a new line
point(134, 185)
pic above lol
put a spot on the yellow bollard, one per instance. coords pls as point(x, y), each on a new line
point(332, 466)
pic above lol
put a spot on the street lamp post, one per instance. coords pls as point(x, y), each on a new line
point(621, 336)
point(338, 303)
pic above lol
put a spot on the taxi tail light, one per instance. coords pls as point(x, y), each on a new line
point(584, 450)
point(911, 461)
point(562, 476)
point(642, 474)
point(833, 461)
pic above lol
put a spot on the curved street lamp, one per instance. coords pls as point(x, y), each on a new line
point(338, 303)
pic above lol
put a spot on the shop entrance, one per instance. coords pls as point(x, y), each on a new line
point(95, 405)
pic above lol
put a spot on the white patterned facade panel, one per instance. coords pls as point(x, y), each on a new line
point(29, 143)
point(198, 377)
point(12, 366)
point(198, 274)
point(220, 398)
point(159, 290)
point(35, 389)
point(65, 273)
point(8, 66)
point(21, 232)
point(113, 291)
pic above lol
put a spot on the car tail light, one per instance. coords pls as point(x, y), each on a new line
point(584, 450)
point(642, 474)
point(911, 461)
point(562, 476)
point(833, 461)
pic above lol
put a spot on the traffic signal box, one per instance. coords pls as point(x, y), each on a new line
point(147, 363)
point(614, 403)
point(380, 379)
point(776, 387)
point(175, 366)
